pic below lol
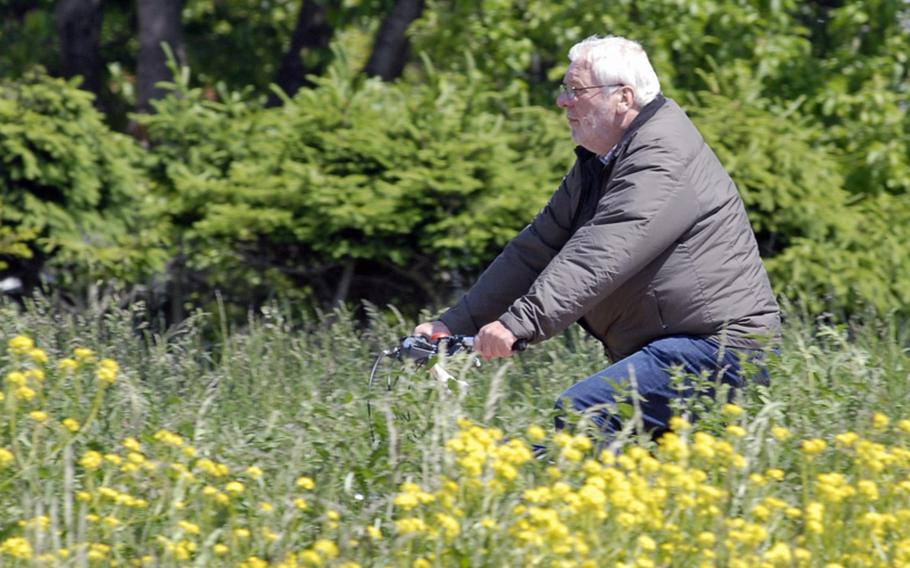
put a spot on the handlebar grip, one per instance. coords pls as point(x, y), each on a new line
point(520, 345)
point(439, 335)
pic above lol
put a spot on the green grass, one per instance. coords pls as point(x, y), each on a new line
point(289, 396)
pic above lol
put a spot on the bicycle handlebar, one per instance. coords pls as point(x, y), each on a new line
point(419, 348)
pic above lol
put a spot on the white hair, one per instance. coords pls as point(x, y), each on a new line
point(616, 59)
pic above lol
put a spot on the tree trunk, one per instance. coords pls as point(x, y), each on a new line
point(312, 32)
point(344, 284)
point(159, 23)
point(392, 47)
point(79, 32)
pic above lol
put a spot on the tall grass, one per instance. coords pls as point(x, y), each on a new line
point(283, 401)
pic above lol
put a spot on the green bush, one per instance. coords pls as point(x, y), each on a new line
point(404, 184)
point(71, 190)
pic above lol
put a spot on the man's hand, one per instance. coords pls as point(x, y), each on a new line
point(431, 328)
point(494, 340)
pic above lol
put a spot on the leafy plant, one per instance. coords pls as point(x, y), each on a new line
point(72, 193)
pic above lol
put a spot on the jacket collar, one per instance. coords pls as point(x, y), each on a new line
point(650, 109)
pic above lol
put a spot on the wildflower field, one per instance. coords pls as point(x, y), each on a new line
point(120, 446)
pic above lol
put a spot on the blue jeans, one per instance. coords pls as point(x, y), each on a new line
point(653, 367)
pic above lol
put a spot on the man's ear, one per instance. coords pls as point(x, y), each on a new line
point(628, 98)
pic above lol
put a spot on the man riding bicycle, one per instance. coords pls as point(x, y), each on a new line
point(645, 243)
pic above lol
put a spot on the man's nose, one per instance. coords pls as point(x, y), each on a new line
point(563, 100)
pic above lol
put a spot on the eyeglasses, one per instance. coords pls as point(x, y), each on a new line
point(572, 92)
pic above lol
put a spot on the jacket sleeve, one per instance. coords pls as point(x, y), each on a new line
point(647, 206)
point(511, 274)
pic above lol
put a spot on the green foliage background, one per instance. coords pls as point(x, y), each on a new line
point(358, 189)
point(69, 187)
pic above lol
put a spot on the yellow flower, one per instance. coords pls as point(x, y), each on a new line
point(775, 474)
point(450, 526)
point(410, 525)
point(647, 543)
point(84, 354)
point(736, 431)
point(242, 533)
point(846, 438)
point(562, 439)
point(325, 547)
point(814, 446)
point(21, 344)
point(6, 457)
point(880, 421)
point(38, 416)
point(374, 532)
point(310, 558)
point(188, 527)
point(38, 356)
point(132, 444)
point(25, 393)
point(266, 507)
point(868, 489)
point(679, 424)
point(779, 555)
point(254, 562)
point(17, 547)
point(212, 468)
point(234, 488)
point(732, 410)
point(41, 522)
point(16, 379)
point(254, 472)
point(761, 512)
point(70, 424)
point(91, 460)
point(106, 376)
point(780, 433)
point(305, 483)
point(36, 374)
point(300, 503)
point(68, 364)
point(220, 549)
point(572, 454)
point(536, 433)
point(706, 539)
